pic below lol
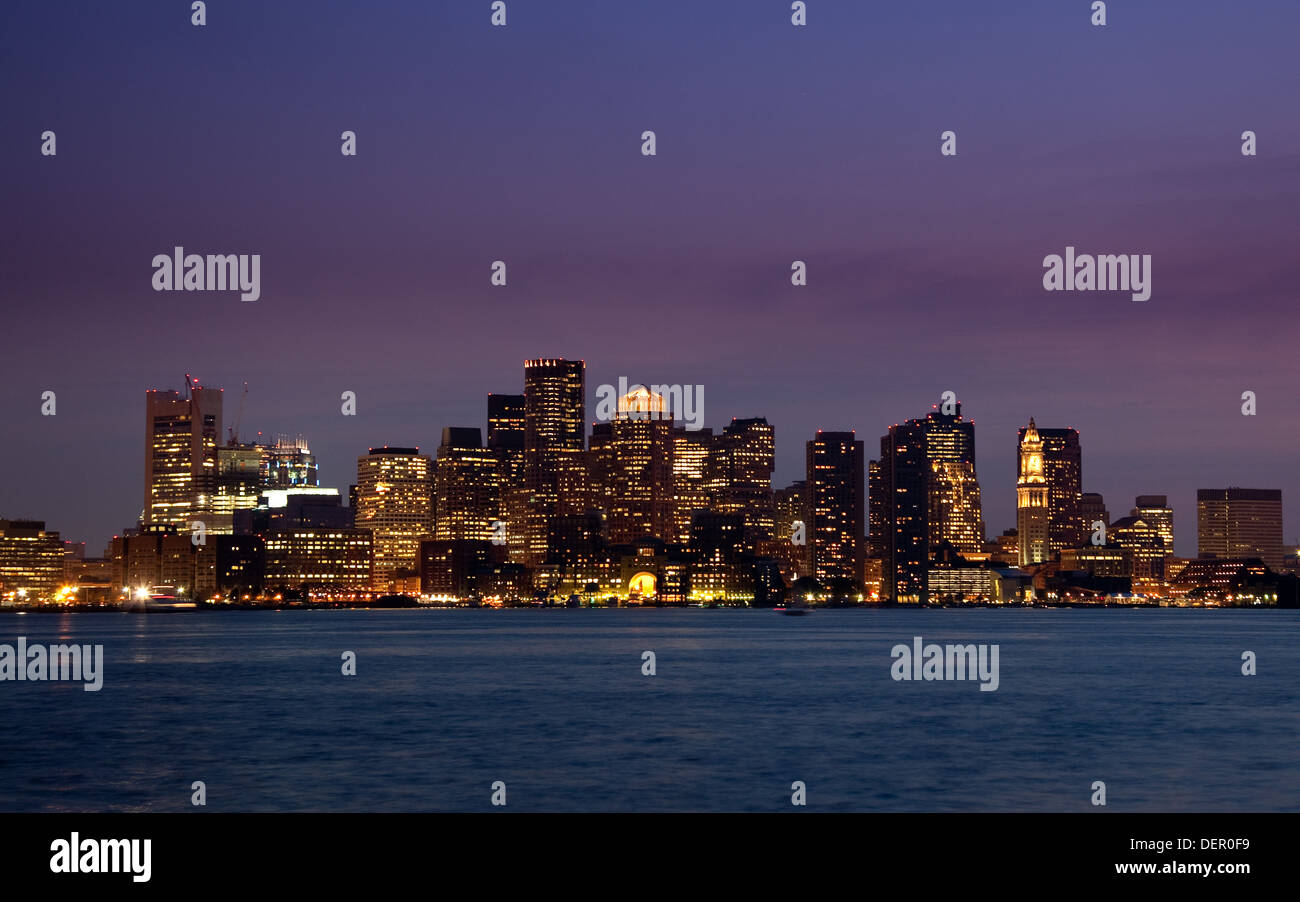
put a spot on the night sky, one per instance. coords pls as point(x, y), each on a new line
point(775, 143)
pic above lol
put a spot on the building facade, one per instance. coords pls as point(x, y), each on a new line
point(636, 488)
point(180, 454)
point(837, 504)
point(31, 561)
point(1240, 523)
point(395, 503)
point(555, 466)
point(467, 487)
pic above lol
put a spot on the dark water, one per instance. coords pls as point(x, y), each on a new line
point(554, 704)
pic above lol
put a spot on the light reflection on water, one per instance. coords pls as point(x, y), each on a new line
point(742, 704)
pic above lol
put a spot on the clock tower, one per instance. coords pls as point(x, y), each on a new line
point(1031, 499)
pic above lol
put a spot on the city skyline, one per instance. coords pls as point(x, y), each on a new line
point(1186, 517)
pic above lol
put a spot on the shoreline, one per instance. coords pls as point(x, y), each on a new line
point(337, 606)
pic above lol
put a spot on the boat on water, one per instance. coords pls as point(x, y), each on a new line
point(159, 600)
point(793, 609)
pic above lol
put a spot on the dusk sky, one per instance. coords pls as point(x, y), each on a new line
point(775, 144)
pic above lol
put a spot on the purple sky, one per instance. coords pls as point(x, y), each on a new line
point(775, 143)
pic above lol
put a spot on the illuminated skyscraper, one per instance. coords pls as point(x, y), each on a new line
point(555, 468)
point(506, 421)
point(1032, 511)
point(1154, 509)
point(239, 483)
point(467, 487)
point(690, 462)
point(956, 514)
point(739, 474)
point(180, 454)
point(879, 508)
point(1240, 523)
point(289, 462)
point(1062, 459)
point(790, 506)
point(394, 502)
point(637, 494)
point(600, 460)
point(837, 502)
point(924, 492)
point(554, 398)
point(505, 436)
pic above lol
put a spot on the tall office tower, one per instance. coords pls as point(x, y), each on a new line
point(924, 492)
point(466, 487)
point(240, 482)
point(289, 462)
point(506, 422)
point(555, 466)
point(879, 511)
point(837, 500)
point(1092, 510)
point(1062, 458)
point(790, 507)
point(739, 474)
point(506, 414)
point(956, 514)
point(1033, 514)
point(900, 512)
point(637, 487)
point(180, 454)
point(395, 502)
point(1239, 523)
point(690, 470)
point(600, 462)
point(1155, 510)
